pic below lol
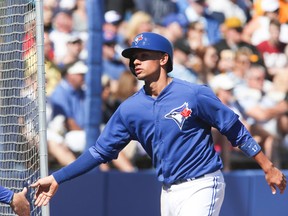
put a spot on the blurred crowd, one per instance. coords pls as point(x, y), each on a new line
point(237, 47)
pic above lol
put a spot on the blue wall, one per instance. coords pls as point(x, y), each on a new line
point(137, 194)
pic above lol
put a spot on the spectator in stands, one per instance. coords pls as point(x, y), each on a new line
point(263, 106)
point(232, 37)
point(280, 14)
point(273, 50)
point(210, 59)
point(113, 67)
point(197, 36)
point(257, 29)
point(173, 26)
point(198, 11)
point(74, 46)
point(231, 29)
point(112, 23)
point(226, 61)
point(112, 17)
point(242, 64)
point(127, 85)
point(67, 101)
point(61, 33)
point(182, 58)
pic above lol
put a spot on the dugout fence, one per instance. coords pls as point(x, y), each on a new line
point(23, 149)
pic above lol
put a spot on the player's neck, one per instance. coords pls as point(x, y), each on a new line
point(156, 87)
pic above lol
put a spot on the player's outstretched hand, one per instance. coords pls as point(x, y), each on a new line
point(276, 178)
point(20, 204)
point(46, 188)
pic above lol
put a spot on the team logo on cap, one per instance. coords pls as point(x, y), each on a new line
point(138, 38)
point(179, 114)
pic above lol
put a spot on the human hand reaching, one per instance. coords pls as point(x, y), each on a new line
point(20, 204)
point(46, 188)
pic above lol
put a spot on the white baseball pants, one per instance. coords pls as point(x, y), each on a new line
point(200, 197)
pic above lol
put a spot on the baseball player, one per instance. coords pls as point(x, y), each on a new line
point(17, 201)
point(172, 120)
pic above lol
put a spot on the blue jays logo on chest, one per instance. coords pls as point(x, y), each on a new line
point(179, 114)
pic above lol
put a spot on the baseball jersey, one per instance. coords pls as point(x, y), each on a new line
point(174, 129)
point(5, 195)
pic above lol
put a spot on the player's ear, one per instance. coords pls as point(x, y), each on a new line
point(164, 59)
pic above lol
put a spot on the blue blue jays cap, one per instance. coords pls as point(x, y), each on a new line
point(153, 42)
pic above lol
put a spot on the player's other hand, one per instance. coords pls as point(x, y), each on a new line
point(20, 204)
point(46, 188)
point(276, 178)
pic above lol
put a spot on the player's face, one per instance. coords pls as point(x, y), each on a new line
point(147, 64)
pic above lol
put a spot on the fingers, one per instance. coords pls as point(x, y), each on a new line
point(24, 191)
point(34, 185)
point(282, 185)
point(38, 200)
point(42, 200)
point(39, 190)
